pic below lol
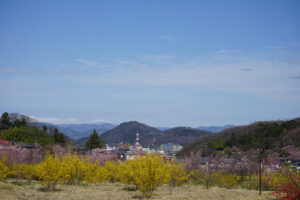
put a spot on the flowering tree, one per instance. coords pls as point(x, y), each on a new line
point(101, 156)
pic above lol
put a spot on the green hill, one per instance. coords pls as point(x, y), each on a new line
point(272, 135)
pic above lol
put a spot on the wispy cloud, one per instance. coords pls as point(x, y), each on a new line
point(237, 71)
point(95, 121)
point(54, 120)
point(208, 72)
point(165, 37)
point(86, 62)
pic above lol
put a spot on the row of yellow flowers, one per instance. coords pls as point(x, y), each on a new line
point(145, 172)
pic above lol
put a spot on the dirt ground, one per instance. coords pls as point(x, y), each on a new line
point(15, 189)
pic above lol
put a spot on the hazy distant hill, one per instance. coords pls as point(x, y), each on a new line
point(126, 132)
point(77, 131)
point(271, 135)
point(215, 129)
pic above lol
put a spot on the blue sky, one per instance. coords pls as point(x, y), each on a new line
point(164, 63)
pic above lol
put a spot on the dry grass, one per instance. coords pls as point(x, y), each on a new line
point(14, 190)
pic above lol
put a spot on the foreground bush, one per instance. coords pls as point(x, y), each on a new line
point(147, 173)
point(25, 171)
point(4, 170)
point(177, 174)
point(73, 169)
point(50, 171)
point(288, 191)
point(290, 187)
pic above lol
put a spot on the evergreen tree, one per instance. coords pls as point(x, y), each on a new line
point(95, 141)
point(45, 128)
point(5, 122)
point(59, 138)
point(19, 123)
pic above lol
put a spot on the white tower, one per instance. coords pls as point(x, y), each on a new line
point(137, 141)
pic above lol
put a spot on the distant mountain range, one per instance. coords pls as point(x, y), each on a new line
point(215, 129)
point(125, 132)
point(78, 131)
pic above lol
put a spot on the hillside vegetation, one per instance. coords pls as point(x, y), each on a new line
point(271, 135)
point(21, 129)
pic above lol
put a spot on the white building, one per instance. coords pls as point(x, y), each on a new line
point(170, 147)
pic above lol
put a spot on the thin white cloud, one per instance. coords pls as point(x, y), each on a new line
point(54, 120)
point(209, 72)
point(86, 62)
point(95, 121)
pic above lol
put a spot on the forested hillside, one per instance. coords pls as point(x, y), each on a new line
point(20, 129)
point(271, 135)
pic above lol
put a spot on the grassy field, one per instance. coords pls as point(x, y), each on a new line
point(15, 189)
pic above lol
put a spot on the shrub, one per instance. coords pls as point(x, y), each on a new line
point(73, 168)
point(177, 174)
point(95, 173)
point(288, 191)
point(50, 171)
point(112, 171)
point(25, 171)
point(146, 173)
point(226, 180)
point(4, 170)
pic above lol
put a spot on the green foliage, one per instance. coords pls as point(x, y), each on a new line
point(266, 134)
point(28, 134)
point(59, 138)
point(21, 122)
point(5, 122)
point(95, 141)
point(217, 144)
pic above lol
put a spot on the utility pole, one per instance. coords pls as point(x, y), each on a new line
point(260, 168)
point(207, 167)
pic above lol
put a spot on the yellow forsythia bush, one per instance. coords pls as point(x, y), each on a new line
point(226, 180)
point(25, 171)
point(73, 169)
point(4, 170)
point(95, 173)
point(147, 173)
point(112, 169)
point(273, 180)
point(50, 171)
point(177, 173)
point(270, 180)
